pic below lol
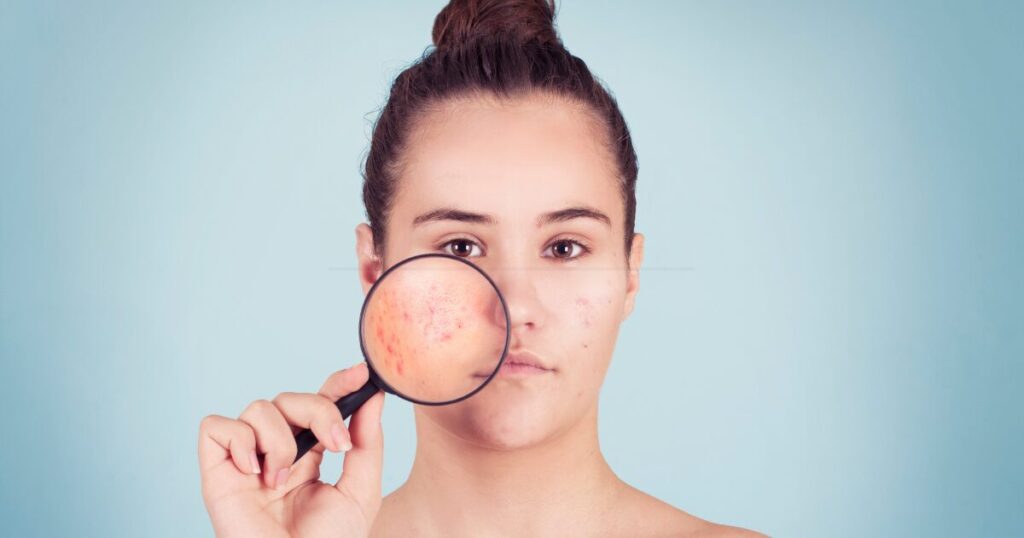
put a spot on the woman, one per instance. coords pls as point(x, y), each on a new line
point(499, 146)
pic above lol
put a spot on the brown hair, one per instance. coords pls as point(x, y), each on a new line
point(502, 48)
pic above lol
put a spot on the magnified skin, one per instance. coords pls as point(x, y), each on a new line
point(430, 329)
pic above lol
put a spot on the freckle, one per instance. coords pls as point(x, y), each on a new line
point(405, 316)
point(609, 301)
point(585, 346)
point(458, 323)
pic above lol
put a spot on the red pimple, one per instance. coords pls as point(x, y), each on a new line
point(582, 301)
point(446, 336)
point(399, 368)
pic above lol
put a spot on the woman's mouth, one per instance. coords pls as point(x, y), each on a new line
point(520, 369)
point(522, 364)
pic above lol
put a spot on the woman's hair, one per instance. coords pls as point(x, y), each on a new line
point(489, 48)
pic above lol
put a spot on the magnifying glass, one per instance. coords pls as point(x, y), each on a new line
point(434, 330)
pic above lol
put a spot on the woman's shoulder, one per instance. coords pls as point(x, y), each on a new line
point(644, 515)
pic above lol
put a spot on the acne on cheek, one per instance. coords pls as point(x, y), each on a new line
point(442, 320)
point(588, 308)
point(390, 323)
point(425, 321)
point(583, 310)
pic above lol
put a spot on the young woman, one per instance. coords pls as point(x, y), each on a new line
point(499, 146)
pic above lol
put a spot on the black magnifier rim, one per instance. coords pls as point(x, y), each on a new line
point(380, 381)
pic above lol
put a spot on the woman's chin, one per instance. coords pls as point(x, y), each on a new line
point(497, 427)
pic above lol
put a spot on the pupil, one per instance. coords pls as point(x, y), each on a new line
point(461, 247)
point(563, 249)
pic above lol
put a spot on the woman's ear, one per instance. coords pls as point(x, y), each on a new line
point(636, 257)
point(370, 266)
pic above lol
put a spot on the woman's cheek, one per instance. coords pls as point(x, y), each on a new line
point(584, 311)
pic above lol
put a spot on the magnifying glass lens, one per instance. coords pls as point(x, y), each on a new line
point(434, 329)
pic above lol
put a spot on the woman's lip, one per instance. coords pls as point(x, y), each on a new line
point(520, 363)
point(525, 358)
point(519, 368)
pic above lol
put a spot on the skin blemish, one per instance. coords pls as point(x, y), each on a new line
point(584, 310)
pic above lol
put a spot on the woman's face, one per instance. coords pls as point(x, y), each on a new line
point(527, 191)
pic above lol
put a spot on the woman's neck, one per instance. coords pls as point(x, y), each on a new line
point(458, 487)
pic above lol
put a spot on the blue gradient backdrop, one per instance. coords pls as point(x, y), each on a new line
point(828, 338)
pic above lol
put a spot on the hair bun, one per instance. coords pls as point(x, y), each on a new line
point(520, 21)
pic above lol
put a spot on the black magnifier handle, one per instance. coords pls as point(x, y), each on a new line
point(347, 404)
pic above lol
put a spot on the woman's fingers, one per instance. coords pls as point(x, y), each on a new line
point(317, 413)
point(221, 438)
point(273, 439)
point(266, 428)
point(345, 382)
point(361, 473)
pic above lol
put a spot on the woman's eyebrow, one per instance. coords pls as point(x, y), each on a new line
point(448, 213)
point(570, 213)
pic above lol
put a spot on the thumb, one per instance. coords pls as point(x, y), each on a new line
point(361, 473)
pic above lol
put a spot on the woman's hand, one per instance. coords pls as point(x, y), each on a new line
point(245, 498)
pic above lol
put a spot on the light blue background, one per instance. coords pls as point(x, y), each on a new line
point(828, 337)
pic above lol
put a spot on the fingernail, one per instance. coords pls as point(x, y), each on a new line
point(347, 446)
point(282, 477)
point(254, 462)
point(336, 435)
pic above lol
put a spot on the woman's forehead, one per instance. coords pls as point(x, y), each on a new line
point(512, 159)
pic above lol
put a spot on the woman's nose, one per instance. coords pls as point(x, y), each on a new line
point(519, 289)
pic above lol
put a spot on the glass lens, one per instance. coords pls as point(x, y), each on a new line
point(434, 328)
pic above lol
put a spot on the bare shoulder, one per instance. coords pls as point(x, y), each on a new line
point(644, 515)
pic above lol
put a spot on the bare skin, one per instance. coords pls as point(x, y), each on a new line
point(539, 208)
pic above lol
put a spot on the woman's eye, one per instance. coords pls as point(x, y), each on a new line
point(567, 249)
point(462, 248)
